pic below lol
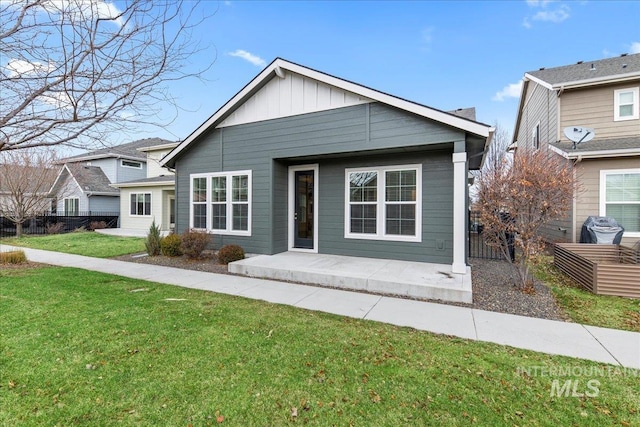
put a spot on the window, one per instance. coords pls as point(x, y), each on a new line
point(131, 164)
point(535, 137)
point(626, 104)
point(140, 204)
point(384, 203)
point(71, 206)
point(620, 198)
point(221, 202)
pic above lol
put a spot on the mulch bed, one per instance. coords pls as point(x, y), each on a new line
point(493, 285)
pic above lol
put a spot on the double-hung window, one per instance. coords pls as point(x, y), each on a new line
point(140, 204)
point(384, 203)
point(71, 206)
point(620, 198)
point(221, 202)
point(626, 104)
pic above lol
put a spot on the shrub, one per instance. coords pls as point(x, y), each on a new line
point(97, 225)
point(80, 229)
point(153, 240)
point(194, 242)
point(230, 253)
point(13, 257)
point(170, 245)
point(55, 228)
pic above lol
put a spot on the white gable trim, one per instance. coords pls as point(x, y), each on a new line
point(277, 67)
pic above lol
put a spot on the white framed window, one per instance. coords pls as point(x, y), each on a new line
point(131, 164)
point(535, 136)
point(140, 204)
point(626, 104)
point(71, 206)
point(620, 198)
point(384, 203)
point(221, 202)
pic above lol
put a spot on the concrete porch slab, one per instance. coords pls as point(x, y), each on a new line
point(387, 277)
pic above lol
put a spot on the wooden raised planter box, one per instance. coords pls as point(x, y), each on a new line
point(602, 269)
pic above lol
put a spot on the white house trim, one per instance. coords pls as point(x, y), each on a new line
point(603, 192)
point(459, 265)
point(269, 72)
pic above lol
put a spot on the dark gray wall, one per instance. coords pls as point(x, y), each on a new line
point(336, 139)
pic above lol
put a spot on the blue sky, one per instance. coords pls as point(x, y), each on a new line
point(446, 55)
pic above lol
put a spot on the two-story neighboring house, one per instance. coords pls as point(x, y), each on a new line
point(83, 185)
point(152, 198)
point(602, 96)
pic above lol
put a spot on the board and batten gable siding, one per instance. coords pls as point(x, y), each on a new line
point(289, 96)
point(594, 107)
point(541, 106)
point(263, 148)
point(588, 198)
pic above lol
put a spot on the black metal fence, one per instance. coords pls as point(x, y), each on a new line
point(48, 222)
point(478, 248)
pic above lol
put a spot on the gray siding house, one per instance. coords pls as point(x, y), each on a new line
point(300, 160)
point(84, 182)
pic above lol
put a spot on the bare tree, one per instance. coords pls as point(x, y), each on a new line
point(516, 199)
point(78, 70)
point(26, 177)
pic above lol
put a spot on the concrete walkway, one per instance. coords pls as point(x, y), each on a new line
point(611, 346)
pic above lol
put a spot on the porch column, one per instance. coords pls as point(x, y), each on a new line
point(459, 265)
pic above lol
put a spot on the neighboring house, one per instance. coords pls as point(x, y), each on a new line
point(83, 184)
point(152, 198)
point(300, 160)
point(601, 95)
point(83, 190)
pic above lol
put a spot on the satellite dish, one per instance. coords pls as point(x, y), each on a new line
point(578, 134)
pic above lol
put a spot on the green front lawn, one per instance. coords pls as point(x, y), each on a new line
point(586, 307)
point(86, 348)
point(81, 243)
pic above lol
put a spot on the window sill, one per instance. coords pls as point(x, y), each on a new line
point(412, 239)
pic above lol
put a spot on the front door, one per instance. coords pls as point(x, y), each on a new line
point(303, 220)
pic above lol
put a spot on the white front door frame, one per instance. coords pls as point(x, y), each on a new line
point(291, 205)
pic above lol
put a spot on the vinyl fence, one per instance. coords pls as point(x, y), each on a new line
point(42, 224)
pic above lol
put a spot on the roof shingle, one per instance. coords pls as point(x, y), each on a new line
point(587, 70)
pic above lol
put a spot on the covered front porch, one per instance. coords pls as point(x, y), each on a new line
point(380, 276)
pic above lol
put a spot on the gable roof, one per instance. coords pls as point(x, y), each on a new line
point(130, 150)
point(280, 66)
point(587, 73)
point(90, 179)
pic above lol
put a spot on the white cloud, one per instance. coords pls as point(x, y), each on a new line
point(512, 90)
point(546, 11)
point(635, 47)
point(20, 67)
point(84, 10)
point(255, 60)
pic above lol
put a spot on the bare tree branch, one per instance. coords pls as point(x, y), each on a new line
point(26, 177)
point(516, 199)
point(78, 70)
